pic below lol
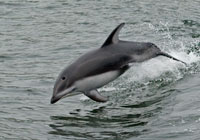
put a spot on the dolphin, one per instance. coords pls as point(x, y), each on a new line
point(103, 65)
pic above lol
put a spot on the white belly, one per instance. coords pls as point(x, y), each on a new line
point(96, 81)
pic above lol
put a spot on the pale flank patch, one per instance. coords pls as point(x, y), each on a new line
point(96, 81)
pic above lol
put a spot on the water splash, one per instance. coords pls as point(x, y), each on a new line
point(185, 50)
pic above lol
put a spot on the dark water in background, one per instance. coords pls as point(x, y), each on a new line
point(158, 99)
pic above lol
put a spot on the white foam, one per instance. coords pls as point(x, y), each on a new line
point(108, 89)
point(188, 58)
point(155, 67)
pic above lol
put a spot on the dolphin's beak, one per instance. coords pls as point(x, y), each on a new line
point(57, 96)
point(54, 99)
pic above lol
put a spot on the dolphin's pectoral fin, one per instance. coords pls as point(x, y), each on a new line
point(113, 38)
point(94, 95)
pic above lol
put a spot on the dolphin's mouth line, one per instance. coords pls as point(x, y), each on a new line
point(66, 93)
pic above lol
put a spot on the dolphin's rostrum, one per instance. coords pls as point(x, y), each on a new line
point(103, 65)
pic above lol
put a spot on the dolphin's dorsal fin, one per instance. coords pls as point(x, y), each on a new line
point(113, 38)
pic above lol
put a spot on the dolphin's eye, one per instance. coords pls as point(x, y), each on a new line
point(63, 78)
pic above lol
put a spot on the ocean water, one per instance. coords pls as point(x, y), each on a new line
point(155, 100)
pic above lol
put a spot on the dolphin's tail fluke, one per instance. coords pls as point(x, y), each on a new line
point(171, 57)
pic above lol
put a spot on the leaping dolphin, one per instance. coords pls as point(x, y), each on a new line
point(103, 65)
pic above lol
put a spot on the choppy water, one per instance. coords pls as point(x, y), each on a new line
point(158, 99)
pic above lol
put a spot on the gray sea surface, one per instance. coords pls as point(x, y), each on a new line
point(155, 100)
